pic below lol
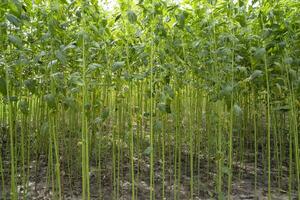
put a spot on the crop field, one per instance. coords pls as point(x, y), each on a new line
point(149, 99)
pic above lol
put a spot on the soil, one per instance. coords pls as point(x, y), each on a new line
point(242, 187)
point(101, 186)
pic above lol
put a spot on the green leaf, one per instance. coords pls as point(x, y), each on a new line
point(226, 170)
point(221, 196)
point(162, 107)
point(104, 114)
point(92, 67)
point(14, 20)
point(24, 107)
point(146, 114)
point(132, 18)
point(147, 151)
point(63, 1)
point(226, 90)
point(3, 86)
point(45, 128)
point(13, 98)
point(237, 110)
point(158, 126)
point(181, 19)
point(69, 102)
point(15, 7)
point(52, 63)
point(30, 85)
point(58, 77)
point(117, 65)
point(219, 155)
point(60, 56)
point(76, 79)
point(70, 46)
point(292, 74)
point(169, 91)
point(97, 120)
point(284, 108)
point(288, 60)
point(16, 41)
point(118, 17)
point(256, 74)
point(50, 100)
point(242, 20)
point(160, 30)
point(29, 4)
point(259, 53)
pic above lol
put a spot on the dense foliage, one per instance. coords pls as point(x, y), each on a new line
point(174, 85)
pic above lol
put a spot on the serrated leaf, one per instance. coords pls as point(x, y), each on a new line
point(118, 17)
point(13, 98)
point(242, 20)
point(16, 41)
point(226, 90)
point(147, 151)
point(58, 77)
point(146, 114)
point(256, 74)
point(23, 105)
point(45, 128)
point(14, 20)
point(104, 114)
point(76, 79)
point(292, 74)
point(69, 102)
point(226, 170)
point(162, 107)
point(158, 125)
point(237, 110)
point(219, 155)
point(284, 108)
point(181, 19)
point(259, 53)
point(51, 63)
point(288, 60)
point(50, 100)
point(132, 18)
point(117, 65)
point(3, 86)
point(30, 85)
point(169, 91)
point(92, 67)
point(70, 46)
point(60, 56)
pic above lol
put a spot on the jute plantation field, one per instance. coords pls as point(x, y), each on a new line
point(149, 99)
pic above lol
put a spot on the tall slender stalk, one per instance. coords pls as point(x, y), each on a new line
point(11, 137)
point(151, 126)
point(3, 195)
point(268, 114)
point(84, 125)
